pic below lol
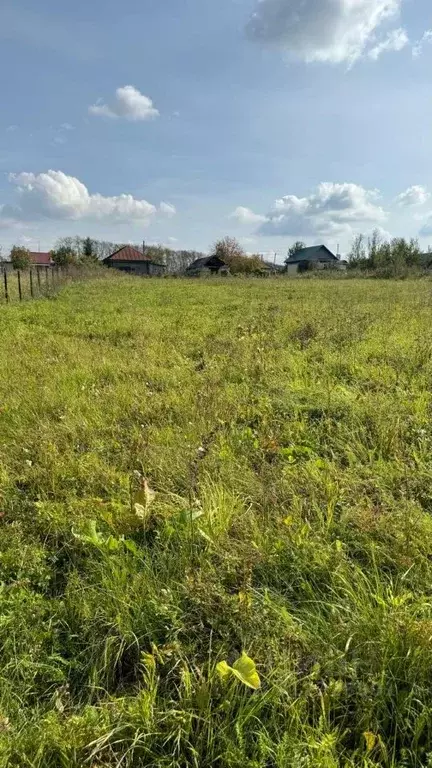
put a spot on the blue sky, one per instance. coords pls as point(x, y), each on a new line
point(270, 121)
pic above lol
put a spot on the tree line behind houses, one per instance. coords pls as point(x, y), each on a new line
point(78, 250)
point(372, 254)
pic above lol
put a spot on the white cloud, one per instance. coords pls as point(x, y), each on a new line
point(396, 40)
point(11, 128)
point(416, 195)
point(331, 209)
point(167, 209)
point(54, 195)
point(426, 229)
point(245, 216)
point(67, 127)
point(425, 40)
point(129, 103)
point(321, 30)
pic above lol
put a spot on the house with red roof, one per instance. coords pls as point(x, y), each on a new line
point(38, 260)
point(130, 259)
point(41, 259)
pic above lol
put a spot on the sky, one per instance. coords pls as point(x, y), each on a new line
point(182, 121)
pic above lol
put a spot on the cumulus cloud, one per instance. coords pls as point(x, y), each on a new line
point(55, 195)
point(321, 30)
point(413, 196)
point(395, 41)
point(245, 216)
point(330, 210)
point(426, 39)
point(129, 104)
point(167, 209)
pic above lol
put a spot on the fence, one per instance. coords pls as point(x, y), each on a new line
point(19, 285)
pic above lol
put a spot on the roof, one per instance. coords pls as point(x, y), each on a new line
point(207, 261)
point(272, 266)
point(41, 258)
point(128, 253)
point(314, 253)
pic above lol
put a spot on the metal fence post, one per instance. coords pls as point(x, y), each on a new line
point(19, 284)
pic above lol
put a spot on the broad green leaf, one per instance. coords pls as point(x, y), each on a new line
point(190, 515)
point(131, 546)
point(370, 740)
point(224, 670)
point(245, 670)
point(141, 512)
point(145, 496)
point(112, 543)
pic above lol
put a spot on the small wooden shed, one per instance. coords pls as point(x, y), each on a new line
point(209, 265)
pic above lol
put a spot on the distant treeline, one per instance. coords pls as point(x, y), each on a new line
point(387, 258)
point(85, 248)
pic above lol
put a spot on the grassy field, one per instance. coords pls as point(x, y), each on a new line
point(191, 472)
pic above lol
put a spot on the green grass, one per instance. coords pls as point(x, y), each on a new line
point(285, 427)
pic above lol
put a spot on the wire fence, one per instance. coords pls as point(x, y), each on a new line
point(21, 285)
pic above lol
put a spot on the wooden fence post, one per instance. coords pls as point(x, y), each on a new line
point(19, 284)
point(6, 285)
point(31, 284)
point(46, 278)
point(38, 278)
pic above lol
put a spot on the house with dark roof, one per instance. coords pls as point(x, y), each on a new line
point(314, 257)
point(207, 266)
point(129, 259)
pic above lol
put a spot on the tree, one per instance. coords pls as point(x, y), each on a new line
point(64, 256)
point(375, 241)
point(357, 255)
point(89, 254)
point(295, 248)
point(228, 249)
point(387, 258)
point(20, 257)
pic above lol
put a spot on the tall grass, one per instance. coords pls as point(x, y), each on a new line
point(190, 471)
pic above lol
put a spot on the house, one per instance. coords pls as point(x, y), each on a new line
point(38, 260)
point(271, 268)
point(41, 259)
point(315, 257)
point(209, 265)
point(129, 259)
